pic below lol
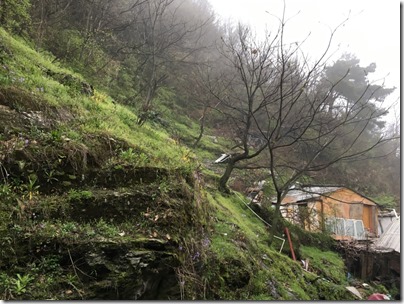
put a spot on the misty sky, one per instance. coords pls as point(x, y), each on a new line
point(372, 32)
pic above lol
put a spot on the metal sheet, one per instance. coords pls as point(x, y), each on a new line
point(390, 238)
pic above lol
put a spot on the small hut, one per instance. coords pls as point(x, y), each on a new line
point(342, 211)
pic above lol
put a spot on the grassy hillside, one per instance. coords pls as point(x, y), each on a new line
point(92, 206)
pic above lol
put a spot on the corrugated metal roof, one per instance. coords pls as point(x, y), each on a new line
point(308, 193)
point(296, 195)
point(391, 237)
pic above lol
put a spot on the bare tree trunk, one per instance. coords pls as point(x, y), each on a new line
point(201, 127)
point(225, 178)
point(277, 215)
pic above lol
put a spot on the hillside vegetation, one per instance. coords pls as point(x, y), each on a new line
point(95, 205)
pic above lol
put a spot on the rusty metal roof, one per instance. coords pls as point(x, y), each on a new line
point(297, 195)
point(390, 239)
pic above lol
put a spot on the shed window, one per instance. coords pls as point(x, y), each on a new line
point(346, 227)
point(340, 226)
point(350, 227)
point(360, 231)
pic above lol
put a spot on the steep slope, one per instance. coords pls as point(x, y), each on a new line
point(93, 206)
point(87, 200)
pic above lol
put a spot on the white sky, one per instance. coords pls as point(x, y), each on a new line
point(372, 32)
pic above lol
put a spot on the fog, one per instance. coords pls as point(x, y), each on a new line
point(371, 31)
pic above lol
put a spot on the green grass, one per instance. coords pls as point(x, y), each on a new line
point(236, 220)
point(97, 114)
point(239, 235)
point(335, 268)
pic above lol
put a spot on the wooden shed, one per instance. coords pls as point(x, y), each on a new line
point(342, 211)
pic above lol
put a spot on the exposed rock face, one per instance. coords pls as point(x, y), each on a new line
point(138, 262)
point(131, 274)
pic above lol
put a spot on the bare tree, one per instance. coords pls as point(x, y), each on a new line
point(161, 37)
point(275, 91)
point(197, 90)
point(93, 20)
point(244, 89)
point(303, 121)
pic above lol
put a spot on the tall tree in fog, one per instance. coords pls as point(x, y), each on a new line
point(356, 88)
point(72, 29)
point(162, 37)
point(137, 45)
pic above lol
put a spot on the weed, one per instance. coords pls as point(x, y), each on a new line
point(164, 187)
point(5, 286)
point(30, 189)
point(73, 281)
point(20, 284)
point(50, 265)
point(78, 195)
point(67, 228)
point(56, 135)
point(5, 191)
point(105, 229)
point(99, 97)
point(21, 165)
point(50, 176)
point(128, 155)
point(131, 156)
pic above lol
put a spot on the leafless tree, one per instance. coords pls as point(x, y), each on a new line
point(273, 90)
point(301, 121)
point(161, 38)
point(94, 20)
point(244, 89)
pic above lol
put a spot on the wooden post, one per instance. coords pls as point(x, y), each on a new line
point(290, 243)
point(322, 216)
point(366, 266)
point(363, 266)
